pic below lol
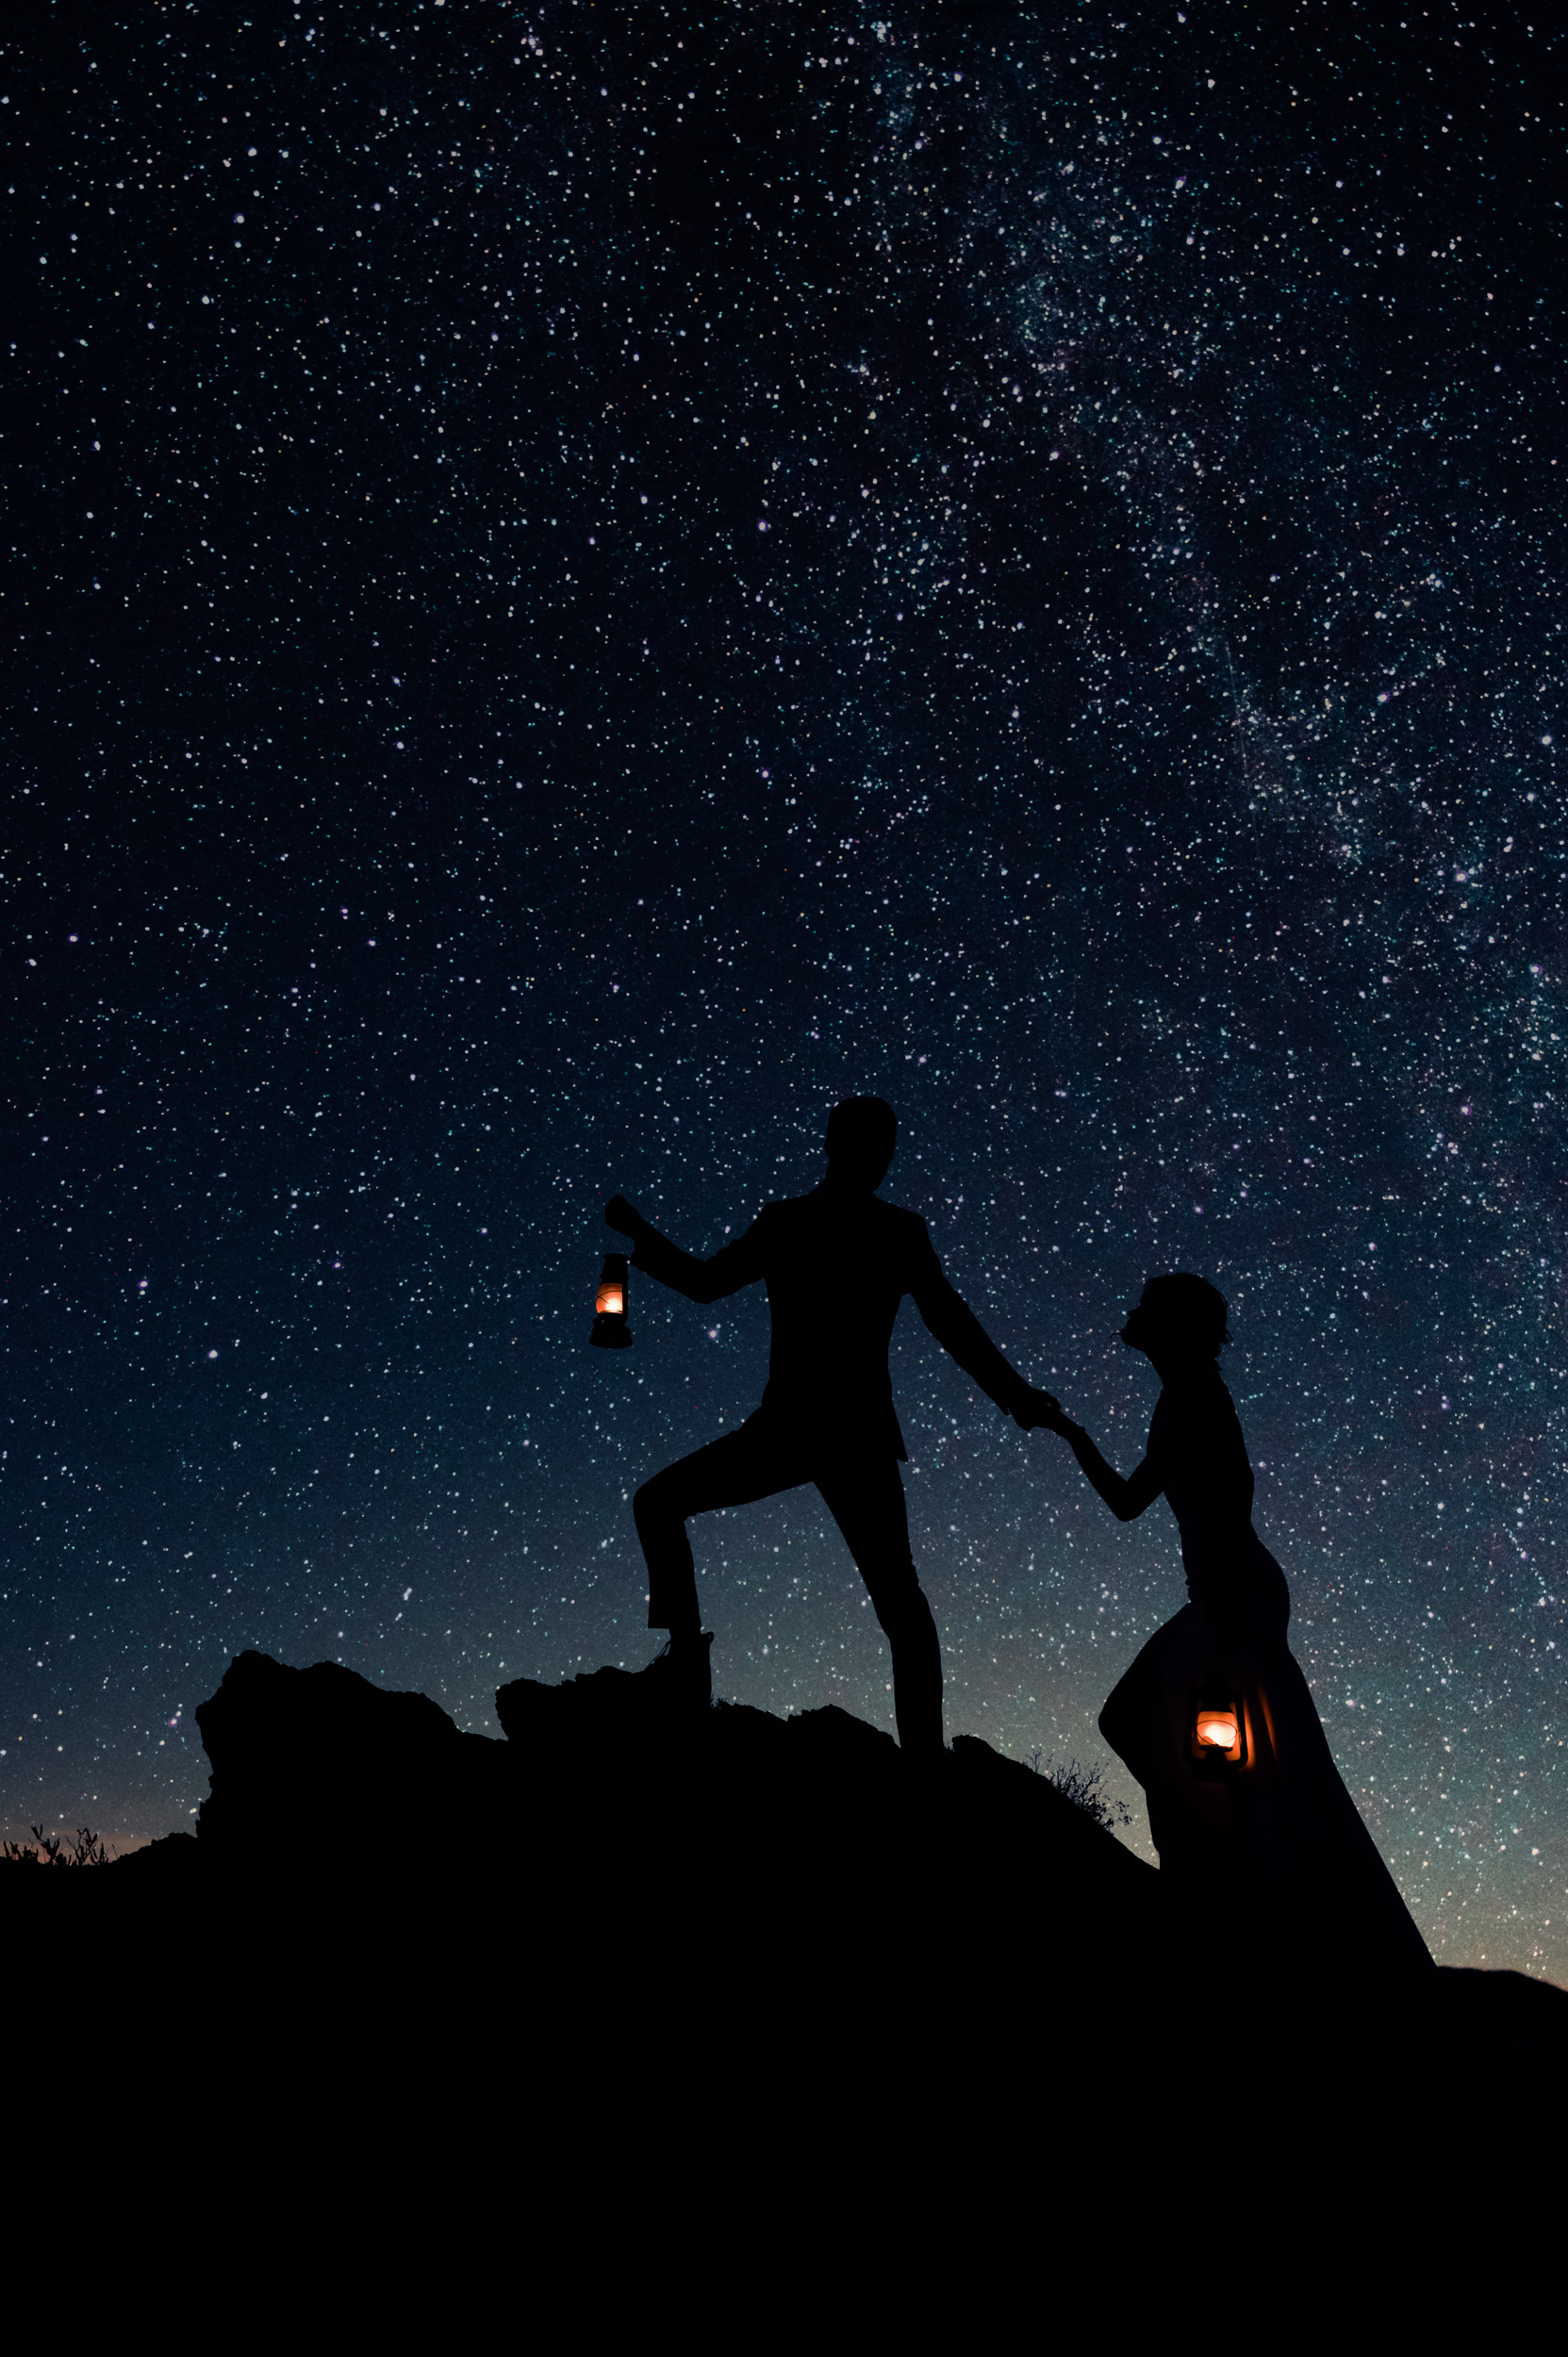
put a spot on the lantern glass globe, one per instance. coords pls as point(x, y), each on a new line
point(611, 1331)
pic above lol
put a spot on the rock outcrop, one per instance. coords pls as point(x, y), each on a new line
point(791, 1895)
point(319, 1765)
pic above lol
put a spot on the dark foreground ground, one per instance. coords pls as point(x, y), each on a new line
point(611, 1939)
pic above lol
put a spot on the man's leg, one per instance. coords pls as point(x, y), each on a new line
point(743, 1466)
point(867, 1501)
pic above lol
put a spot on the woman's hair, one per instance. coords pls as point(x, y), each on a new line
point(1182, 1309)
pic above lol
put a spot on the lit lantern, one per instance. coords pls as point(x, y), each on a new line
point(610, 1329)
point(1219, 1732)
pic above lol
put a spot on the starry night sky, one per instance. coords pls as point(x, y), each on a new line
point(584, 581)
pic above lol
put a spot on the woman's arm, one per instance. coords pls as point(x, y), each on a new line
point(1126, 1498)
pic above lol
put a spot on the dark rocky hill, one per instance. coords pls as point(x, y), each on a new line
point(782, 1901)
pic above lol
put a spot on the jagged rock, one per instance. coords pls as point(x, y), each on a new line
point(319, 1765)
point(1504, 2015)
point(725, 1883)
point(166, 1864)
point(812, 1843)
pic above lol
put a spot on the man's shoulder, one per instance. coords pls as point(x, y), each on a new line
point(900, 1230)
point(910, 1222)
point(773, 1223)
point(888, 1224)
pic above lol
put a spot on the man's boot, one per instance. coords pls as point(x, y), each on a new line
point(682, 1674)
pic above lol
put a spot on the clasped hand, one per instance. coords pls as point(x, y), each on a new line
point(1041, 1411)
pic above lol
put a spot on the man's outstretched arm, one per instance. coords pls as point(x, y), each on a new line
point(961, 1333)
point(737, 1265)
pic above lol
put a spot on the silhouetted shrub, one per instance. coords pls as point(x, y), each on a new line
point(1085, 1788)
point(83, 1849)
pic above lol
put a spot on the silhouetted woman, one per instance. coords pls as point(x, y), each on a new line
point(1214, 1718)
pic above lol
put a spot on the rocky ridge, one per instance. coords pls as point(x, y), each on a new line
point(729, 1877)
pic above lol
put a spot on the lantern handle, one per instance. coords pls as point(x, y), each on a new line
point(625, 1218)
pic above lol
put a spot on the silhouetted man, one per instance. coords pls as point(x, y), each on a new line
point(836, 1263)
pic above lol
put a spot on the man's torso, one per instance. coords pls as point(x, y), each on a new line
point(835, 1275)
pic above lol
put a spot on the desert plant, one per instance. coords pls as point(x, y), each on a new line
point(85, 1848)
point(1085, 1787)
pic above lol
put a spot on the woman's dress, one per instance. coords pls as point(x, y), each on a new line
point(1272, 1841)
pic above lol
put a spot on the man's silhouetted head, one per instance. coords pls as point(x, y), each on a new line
point(862, 1134)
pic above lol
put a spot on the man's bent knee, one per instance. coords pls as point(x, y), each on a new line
point(653, 1504)
point(901, 1608)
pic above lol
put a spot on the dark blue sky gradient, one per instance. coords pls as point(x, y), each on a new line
point(584, 581)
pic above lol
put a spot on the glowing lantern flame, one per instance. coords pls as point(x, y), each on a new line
point(1219, 1744)
point(610, 1329)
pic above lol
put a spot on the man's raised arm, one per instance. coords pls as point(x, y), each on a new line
point(737, 1265)
point(961, 1333)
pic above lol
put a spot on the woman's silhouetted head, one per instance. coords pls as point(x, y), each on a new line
point(1177, 1317)
point(862, 1134)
